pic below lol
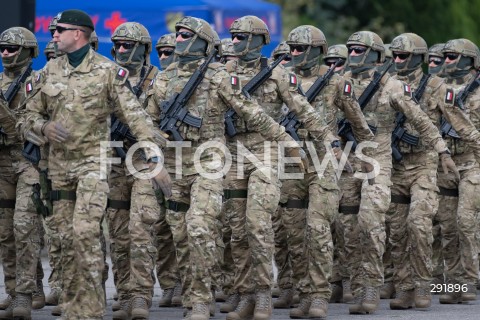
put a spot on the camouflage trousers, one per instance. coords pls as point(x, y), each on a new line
point(282, 256)
point(459, 221)
point(250, 220)
point(192, 215)
point(228, 265)
point(77, 222)
point(19, 230)
point(414, 203)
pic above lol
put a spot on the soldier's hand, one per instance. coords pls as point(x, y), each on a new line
point(337, 151)
point(367, 168)
point(162, 181)
point(449, 165)
point(298, 152)
point(55, 132)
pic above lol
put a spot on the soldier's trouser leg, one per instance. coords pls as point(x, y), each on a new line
point(282, 260)
point(27, 238)
point(54, 248)
point(216, 274)
point(388, 268)
point(263, 198)
point(166, 260)
point(468, 206)
point(437, 255)
point(374, 203)
point(7, 239)
point(117, 221)
point(322, 209)
point(79, 227)
point(228, 267)
point(144, 212)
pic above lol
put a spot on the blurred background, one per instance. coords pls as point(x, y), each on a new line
point(435, 20)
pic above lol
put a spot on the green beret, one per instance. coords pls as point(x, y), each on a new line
point(75, 17)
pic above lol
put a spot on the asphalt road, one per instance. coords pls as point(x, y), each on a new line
point(470, 311)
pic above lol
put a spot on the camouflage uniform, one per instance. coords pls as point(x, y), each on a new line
point(414, 191)
point(196, 201)
point(74, 167)
point(20, 233)
point(393, 95)
point(459, 206)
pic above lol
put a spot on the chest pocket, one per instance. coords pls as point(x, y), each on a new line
point(53, 96)
point(91, 95)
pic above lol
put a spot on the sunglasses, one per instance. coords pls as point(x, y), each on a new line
point(331, 62)
point(184, 34)
point(436, 61)
point(10, 49)
point(60, 29)
point(401, 56)
point(240, 36)
point(451, 56)
point(287, 58)
point(357, 50)
point(298, 47)
point(125, 45)
point(167, 53)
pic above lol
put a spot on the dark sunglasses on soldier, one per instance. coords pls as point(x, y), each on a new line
point(125, 45)
point(61, 29)
point(401, 56)
point(298, 47)
point(240, 36)
point(437, 61)
point(10, 49)
point(451, 56)
point(167, 53)
point(287, 58)
point(357, 50)
point(331, 62)
point(184, 34)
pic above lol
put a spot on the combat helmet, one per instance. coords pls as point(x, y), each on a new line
point(436, 50)
point(167, 40)
point(52, 48)
point(202, 30)
point(464, 47)
point(280, 49)
point(372, 41)
point(94, 40)
point(388, 52)
point(336, 51)
point(253, 26)
point(133, 31)
point(19, 36)
point(53, 25)
point(415, 46)
point(308, 35)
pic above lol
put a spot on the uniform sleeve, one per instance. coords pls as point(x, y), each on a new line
point(346, 102)
point(312, 121)
point(135, 116)
point(401, 99)
point(36, 110)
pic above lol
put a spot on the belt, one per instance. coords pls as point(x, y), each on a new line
point(448, 192)
point(56, 195)
point(235, 193)
point(118, 204)
point(7, 203)
point(295, 204)
point(349, 209)
point(398, 198)
point(177, 206)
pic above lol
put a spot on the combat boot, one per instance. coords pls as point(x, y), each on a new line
point(177, 295)
point(450, 298)
point(387, 290)
point(301, 312)
point(244, 310)
point(285, 299)
point(357, 307)
point(8, 312)
point(230, 303)
point(53, 297)
point(423, 298)
point(38, 297)
point(56, 311)
point(318, 309)
point(347, 291)
point(200, 311)
point(22, 306)
point(371, 300)
point(5, 302)
point(263, 305)
point(124, 312)
point(166, 299)
point(276, 291)
point(220, 296)
point(296, 298)
point(116, 305)
point(187, 314)
point(337, 292)
point(115, 296)
point(470, 294)
point(403, 300)
point(139, 308)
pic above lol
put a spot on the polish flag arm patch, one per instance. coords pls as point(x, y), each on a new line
point(235, 82)
point(29, 87)
point(347, 89)
point(407, 90)
point(449, 96)
point(293, 80)
point(121, 74)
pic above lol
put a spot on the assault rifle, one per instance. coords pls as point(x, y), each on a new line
point(290, 120)
point(399, 133)
point(344, 126)
point(447, 130)
point(174, 110)
point(248, 90)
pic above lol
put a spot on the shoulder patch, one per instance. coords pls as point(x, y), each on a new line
point(29, 87)
point(38, 77)
point(121, 74)
point(293, 80)
point(407, 90)
point(347, 89)
point(235, 82)
point(449, 96)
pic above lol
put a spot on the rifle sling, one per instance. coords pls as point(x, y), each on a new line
point(235, 194)
point(56, 195)
point(177, 206)
point(295, 204)
point(118, 204)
